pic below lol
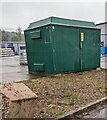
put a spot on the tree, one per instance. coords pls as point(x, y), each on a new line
point(4, 36)
point(14, 38)
point(0, 35)
point(23, 38)
point(19, 34)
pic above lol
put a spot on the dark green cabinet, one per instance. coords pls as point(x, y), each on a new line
point(57, 45)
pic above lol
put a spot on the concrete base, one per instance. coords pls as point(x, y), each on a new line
point(18, 101)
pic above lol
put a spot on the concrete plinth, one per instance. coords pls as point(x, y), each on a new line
point(18, 101)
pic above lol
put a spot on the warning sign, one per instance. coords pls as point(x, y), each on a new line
point(82, 36)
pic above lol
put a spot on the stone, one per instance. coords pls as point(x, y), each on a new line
point(18, 101)
point(98, 68)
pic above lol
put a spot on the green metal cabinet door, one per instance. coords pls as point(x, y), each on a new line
point(66, 51)
point(89, 49)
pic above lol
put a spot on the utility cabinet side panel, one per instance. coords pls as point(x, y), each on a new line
point(39, 51)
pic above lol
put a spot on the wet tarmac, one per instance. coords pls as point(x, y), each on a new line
point(102, 113)
point(11, 70)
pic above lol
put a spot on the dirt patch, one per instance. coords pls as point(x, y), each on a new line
point(66, 92)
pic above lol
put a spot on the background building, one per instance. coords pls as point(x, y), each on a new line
point(15, 46)
point(103, 27)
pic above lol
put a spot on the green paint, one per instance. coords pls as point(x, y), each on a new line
point(55, 44)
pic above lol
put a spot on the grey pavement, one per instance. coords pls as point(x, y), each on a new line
point(11, 70)
point(102, 113)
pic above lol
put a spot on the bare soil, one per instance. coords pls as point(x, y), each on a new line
point(62, 93)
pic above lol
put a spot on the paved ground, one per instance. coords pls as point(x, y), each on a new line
point(98, 114)
point(11, 70)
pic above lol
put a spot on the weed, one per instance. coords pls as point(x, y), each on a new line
point(70, 103)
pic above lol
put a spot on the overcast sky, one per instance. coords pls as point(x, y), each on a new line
point(22, 13)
